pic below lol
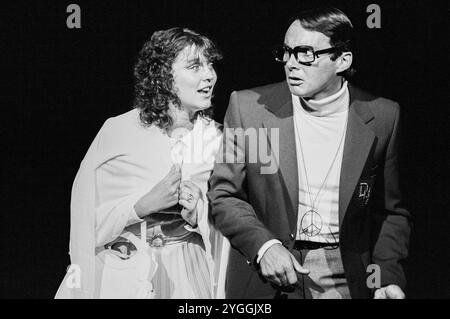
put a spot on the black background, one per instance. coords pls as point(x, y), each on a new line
point(60, 84)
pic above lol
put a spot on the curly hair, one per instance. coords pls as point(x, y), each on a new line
point(154, 90)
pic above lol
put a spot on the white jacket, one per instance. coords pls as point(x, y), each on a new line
point(125, 160)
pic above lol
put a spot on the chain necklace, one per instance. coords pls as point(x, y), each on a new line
point(312, 219)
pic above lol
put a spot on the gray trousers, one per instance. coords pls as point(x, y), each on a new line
point(326, 279)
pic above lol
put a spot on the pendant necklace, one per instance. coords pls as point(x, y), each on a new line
point(311, 223)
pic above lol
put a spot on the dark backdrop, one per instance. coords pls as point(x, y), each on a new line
point(59, 85)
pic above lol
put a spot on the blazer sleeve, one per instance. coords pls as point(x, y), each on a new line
point(232, 214)
point(391, 246)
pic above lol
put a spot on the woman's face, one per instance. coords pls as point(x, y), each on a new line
point(194, 79)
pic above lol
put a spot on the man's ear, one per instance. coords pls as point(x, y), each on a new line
point(344, 62)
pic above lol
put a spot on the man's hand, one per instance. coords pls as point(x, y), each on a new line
point(280, 267)
point(389, 292)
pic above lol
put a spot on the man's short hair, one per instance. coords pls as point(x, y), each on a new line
point(333, 23)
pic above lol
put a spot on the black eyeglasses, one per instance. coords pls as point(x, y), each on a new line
point(303, 54)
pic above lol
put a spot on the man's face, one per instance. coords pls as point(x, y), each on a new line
point(317, 80)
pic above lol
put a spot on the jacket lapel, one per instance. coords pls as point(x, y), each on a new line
point(282, 119)
point(358, 143)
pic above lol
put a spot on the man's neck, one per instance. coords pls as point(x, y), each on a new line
point(331, 89)
point(329, 105)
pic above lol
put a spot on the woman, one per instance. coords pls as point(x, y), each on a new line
point(139, 213)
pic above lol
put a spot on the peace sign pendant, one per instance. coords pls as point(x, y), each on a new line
point(311, 223)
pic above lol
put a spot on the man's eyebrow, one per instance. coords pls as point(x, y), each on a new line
point(302, 46)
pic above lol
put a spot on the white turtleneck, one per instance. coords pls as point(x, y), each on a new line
point(319, 138)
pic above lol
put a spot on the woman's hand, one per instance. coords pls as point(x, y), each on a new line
point(189, 195)
point(162, 196)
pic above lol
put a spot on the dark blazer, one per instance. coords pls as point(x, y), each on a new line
point(251, 208)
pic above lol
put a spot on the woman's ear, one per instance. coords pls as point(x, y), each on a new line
point(344, 62)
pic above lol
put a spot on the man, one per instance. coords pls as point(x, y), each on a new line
point(312, 228)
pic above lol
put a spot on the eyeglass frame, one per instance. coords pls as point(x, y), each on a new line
point(296, 50)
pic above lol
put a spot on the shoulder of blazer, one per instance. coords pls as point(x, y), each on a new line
point(381, 108)
point(271, 96)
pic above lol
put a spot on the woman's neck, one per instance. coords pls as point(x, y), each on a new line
point(183, 122)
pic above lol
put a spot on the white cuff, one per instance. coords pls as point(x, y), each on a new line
point(264, 248)
point(133, 217)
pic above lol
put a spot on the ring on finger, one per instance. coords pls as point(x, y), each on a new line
point(187, 197)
